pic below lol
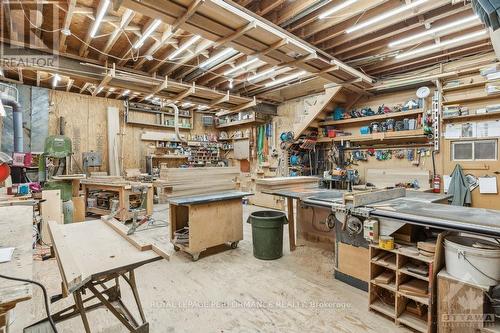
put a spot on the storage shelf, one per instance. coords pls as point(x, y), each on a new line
point(415, 275)
point(133, 109)
point(471, 99)
point(156, 125)
point(389, 286)
point(383, 308)
point(384, 264)
point(372, 118)
point(420, 299)
point(472, 116)
point(465, 86)
point(413, 322)
point(170, 156)
point(379, 136)
point(239, 123)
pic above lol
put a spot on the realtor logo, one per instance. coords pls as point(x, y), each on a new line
point(30, 33)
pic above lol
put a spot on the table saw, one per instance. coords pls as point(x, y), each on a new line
point(394, 209)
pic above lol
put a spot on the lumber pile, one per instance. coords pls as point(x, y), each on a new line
point(279, 183)
point(192, 181)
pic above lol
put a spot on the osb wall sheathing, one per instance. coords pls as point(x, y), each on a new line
point(86, 125)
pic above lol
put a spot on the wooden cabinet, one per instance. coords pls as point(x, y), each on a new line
point(463, 307)
point(392, 297)
point(206, 224)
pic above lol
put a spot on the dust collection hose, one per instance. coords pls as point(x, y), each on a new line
point(17, 116)
point(176, 121)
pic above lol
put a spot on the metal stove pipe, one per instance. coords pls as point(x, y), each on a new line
point(17, 116)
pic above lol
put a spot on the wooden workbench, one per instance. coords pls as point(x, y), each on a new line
point(124, 191)
point(16, 230)
point(213, 219)
point(93, 265)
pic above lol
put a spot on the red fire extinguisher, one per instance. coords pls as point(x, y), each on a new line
point(436, 184)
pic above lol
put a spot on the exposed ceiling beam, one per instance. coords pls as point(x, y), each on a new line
point(127, 17)
point(292, 9)
point(266, 6)
point(163, 41)
point(69, 84)
point(237, 109)
point(218, 101)
point(185, 93)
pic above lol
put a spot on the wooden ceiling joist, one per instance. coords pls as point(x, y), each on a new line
point(126, 18)
point(88, 38)
point(66, 25)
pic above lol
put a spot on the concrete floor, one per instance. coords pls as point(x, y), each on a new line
point(228, 291)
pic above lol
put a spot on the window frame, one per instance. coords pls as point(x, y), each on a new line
point(473, 142)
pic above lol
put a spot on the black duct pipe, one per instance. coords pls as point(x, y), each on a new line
point(17, 116)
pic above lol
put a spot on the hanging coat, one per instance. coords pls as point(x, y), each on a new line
point(459, 188)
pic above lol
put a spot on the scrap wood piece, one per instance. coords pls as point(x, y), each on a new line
point(136, 240)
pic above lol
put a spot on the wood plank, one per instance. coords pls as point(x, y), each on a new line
point(51, 210)
point(353, 261)
point(114, 140)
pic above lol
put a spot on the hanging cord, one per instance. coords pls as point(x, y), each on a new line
point(45, 298)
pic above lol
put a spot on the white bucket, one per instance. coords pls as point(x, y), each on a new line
point(472, 264)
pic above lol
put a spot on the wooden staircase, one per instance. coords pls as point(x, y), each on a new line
point(318, 111)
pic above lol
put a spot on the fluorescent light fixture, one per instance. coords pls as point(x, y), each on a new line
point(184, 47)
point(125, 17)
point(261, 74)
point(203, 107)
point(285, 79)
point(441, 44)
point(241, 66)
point(227, 6)
point(433, 31)
point(99, 90)
point(337, 8)
point(99, 17)
point(55, 80)
point(218, 56)
point(384, 16)
point(230, 83)
point(149, 31)
point(126, 92)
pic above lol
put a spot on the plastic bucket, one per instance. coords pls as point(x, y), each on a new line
point(267, 233)
point(473, 260)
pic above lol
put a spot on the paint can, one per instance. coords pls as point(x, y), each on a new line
point(386, 242)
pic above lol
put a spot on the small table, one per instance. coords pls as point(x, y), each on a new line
point(212, 219)
point(16, 230)
point(92, 257)
point(124, 191)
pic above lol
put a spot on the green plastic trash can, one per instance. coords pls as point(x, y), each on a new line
point(267, 233)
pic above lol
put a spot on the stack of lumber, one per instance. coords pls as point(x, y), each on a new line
point(191, 181)
point(284, 183)
point(383, 178)
point(263, 185)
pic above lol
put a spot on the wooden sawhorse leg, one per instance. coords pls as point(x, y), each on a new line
point(109, 297)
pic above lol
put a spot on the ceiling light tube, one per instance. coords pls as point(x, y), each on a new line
point(217, 57)
point(337, 8)
point(126, 92)
point(184, 47)
point(125, 17)
point(261, 74)
point(99, 17)
point(285, 79)
point(261, 24)
point(441, 44)
point(433, 31)
point(384, 16)
point(149, 31)
point(241, 66)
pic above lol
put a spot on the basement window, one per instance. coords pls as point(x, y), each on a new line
point(480, 150)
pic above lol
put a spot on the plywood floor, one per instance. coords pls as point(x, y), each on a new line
point(229, 291)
